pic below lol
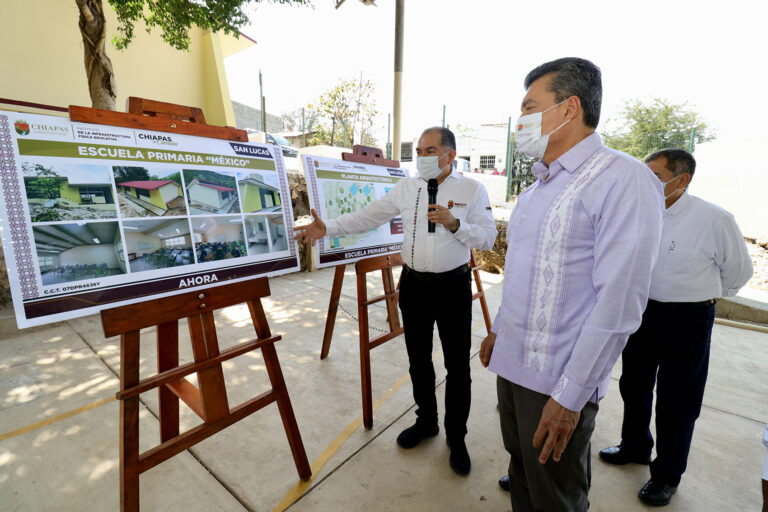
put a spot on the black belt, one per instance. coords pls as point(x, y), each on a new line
point(434, 276)
point(708, 302)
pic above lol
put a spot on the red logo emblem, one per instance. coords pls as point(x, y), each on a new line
point(450, 204)
point(519, 127)
point(22, 127)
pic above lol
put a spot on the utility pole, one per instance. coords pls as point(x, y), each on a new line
point(443, 125)
point(303, 130)
point(508, 159)
point(396, 110)
point(263, 111)
point(389, 142)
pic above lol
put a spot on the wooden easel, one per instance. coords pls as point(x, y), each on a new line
point(369, 155)
point(209, 401)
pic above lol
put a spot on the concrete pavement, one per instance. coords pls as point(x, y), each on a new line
point(59, 423)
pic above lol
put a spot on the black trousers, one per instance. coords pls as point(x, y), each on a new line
point(670, 349)
point(445, 299)
point(561, 486)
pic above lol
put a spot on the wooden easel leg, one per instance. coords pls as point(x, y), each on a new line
point(168, 358)
point(365, 351)
point(333, 306)
point(480, 292)
point(393, 318)
point(286, 411)
point(129, 424)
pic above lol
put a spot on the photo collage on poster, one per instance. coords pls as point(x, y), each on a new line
point(169, 216)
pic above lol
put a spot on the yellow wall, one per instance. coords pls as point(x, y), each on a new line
point(67, 191)
point(43, 63)
point(156, 198)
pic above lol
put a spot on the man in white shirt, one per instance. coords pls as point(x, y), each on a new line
point(436, 281)
point(702, 256)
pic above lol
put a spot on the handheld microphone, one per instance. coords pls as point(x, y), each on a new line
point(432, 191)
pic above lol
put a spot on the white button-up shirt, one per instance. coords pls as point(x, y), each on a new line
point(422, 251)
point(702, 254)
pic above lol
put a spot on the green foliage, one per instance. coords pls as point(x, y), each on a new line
point(210, 177)
point(351, 101)
point(521, 176)
point(176, 17)
point(645, 128)
point(126, 173)
point(42, 182)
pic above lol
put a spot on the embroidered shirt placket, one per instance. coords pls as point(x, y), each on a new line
point(549, 271)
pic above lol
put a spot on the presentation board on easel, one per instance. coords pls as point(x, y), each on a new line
point(337, 187)
point(95, 216)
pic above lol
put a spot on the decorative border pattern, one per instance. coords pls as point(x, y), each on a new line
point(550, 267)
point(309, 162)
point(283, 179)
point(14, 203)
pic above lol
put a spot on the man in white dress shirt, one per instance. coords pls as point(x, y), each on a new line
point(702, 256)
point(436, 282)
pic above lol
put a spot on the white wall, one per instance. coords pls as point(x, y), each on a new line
point(132, 243)
point(169, 192)
point(90, 254)
point(224, 233)
point(205, 195)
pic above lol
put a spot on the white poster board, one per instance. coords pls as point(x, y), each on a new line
point(337, 187)
point(95, 216)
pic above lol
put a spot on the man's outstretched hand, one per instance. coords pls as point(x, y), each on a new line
point(311, 231)
point(555, 429)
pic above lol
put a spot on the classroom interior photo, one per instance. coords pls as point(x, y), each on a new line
point(78, 251)
point(218, 238)
point(265, 234)
point(152, 244)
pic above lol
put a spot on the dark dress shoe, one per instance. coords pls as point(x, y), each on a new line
point(504, 482)
point(459, 459)
point(656, 493)
point(619, 456)
point(415, 434)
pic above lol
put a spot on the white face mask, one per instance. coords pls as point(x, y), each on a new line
point(428, 167)
point(664, 186)
point(528, 137)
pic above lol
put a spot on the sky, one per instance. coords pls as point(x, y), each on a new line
point(472, 57)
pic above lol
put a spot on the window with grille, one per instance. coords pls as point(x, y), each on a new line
point(488, 162)
point(406, 151)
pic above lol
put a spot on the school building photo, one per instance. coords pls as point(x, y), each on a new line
point(78, 251)
point(149, 194)
point(68, 192)
point(259, 192)
point(152, 244)
point(211, 192)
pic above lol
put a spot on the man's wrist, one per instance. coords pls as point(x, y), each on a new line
point(456, 225)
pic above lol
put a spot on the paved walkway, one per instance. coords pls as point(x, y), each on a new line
point(59, 423)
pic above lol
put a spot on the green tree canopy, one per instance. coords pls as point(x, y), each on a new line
point(126, 173)
point(174, 18)
point(643, 128)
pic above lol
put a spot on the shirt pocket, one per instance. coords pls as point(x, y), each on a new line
point(685, 262)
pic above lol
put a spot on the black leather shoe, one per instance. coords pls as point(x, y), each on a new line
point(656, 493)
point(459, 459)
point(619, 456)
point(504, 482)
point(415, 434)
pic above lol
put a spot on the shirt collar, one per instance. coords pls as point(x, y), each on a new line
point(679, 205)
point(571, 159)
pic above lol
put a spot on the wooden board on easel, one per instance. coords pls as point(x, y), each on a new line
point(209, 400)
point(385, 265)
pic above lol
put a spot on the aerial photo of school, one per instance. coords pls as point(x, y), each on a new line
point(57, 192)
point(149, 193)
point(78, 251)
point(153, 244)
point(218, 238)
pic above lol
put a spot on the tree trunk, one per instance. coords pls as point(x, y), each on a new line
point(98, 67)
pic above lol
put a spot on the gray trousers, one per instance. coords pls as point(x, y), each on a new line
point(554, 486)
